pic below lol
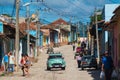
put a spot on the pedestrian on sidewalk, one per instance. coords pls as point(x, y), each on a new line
point(79, 44)
point(107, 65)
point(78, 58)
point(73, 46)
point(5, 63)
point(11, 62)
point(27, 64)
point(22, 64)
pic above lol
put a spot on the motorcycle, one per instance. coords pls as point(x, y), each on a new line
point(50, 50)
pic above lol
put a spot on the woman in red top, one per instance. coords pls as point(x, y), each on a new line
point(23, 61)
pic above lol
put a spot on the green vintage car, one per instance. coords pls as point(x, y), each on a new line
point(56, 60)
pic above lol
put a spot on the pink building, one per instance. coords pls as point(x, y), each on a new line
point(114, 27)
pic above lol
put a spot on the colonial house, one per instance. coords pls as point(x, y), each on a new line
point(63, 31)
point(114, 28)
point(32, 39)
point(7, 39)
point(48, 36)
point(107, 15)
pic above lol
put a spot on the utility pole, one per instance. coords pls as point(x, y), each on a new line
point(17, 35)
point(97, 37)
point(38, 34)
point(83, 31)
point(28, 22)
point(88, 36)
point(77, 29)
point(28, 35)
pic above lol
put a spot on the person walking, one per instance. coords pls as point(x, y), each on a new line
point(73, 46)
point(79, 44)
point(11, 62)
point(107, 65)
point(22, 64)
point(5, 62)
point(27, 64)
point(78, 58)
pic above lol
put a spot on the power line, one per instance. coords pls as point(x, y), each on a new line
point(64, 15)
point(76, 6)
point(57, 11)
point(54, 10)
point(14, 6)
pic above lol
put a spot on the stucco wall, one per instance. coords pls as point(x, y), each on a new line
point(115, 45)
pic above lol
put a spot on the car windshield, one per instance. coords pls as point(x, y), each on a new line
point(55, 56)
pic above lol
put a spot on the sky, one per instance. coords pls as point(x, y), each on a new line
point(51, 10)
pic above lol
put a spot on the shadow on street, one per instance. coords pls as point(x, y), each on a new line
point(94, 73)
point(58, 69)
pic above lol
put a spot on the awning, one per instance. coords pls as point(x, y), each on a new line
point(46, 32)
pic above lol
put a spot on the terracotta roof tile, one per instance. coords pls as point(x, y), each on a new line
point(46, 32)
point(23, 26)
point(11, 25)
point(58, 22)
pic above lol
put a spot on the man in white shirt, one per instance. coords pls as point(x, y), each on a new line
point(11, 62)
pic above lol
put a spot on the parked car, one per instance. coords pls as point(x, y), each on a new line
point(88, 61)
point(56, 60)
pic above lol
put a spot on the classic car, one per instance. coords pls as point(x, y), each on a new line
point(56, 60)
point(88, 61)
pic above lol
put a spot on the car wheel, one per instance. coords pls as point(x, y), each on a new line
point(63, 68)
point(48, 68)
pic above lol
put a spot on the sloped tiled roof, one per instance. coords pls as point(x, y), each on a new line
point(59, 22)
point(55, 24)
point(13, 27)
point(5, 23)
point(46, 32)
point(23, 26)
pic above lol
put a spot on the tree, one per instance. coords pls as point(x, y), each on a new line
point(99, 17)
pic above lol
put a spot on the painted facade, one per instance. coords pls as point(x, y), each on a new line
point(61, 34)
point(7, 40)
point(63, 29)
point(115, 28)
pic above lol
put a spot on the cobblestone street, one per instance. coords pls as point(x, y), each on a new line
point(38, 70)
